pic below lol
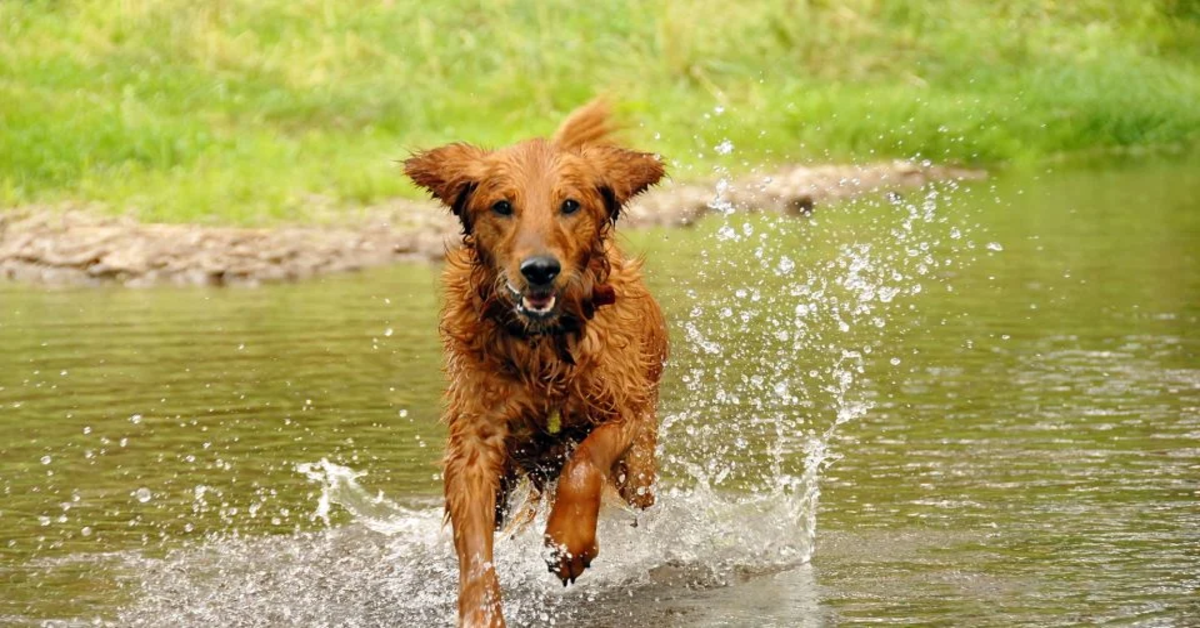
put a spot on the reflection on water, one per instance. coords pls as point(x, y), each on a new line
point(1020, 443)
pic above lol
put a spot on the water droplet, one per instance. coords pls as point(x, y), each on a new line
point(47, 459)
point(388, 332)
point(724, 148)
point(895, 361)
point(135, 419)
point(143, 494)
point(994, 246)
point(86, 531)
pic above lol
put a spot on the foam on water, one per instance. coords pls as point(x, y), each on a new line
point(725, 511)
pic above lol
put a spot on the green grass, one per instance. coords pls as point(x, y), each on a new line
point(242, 110)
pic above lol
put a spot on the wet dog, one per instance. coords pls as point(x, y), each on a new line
point(554, 347)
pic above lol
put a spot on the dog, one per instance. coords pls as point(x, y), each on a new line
point(554, 347)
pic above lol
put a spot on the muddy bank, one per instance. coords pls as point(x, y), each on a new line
point(81, 245)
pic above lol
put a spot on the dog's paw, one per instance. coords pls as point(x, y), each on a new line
point(638, 495)
point(571, 529)
point(569, 554)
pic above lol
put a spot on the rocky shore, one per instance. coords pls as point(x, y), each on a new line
point(84, 245)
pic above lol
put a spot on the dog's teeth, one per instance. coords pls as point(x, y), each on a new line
point(548, 305)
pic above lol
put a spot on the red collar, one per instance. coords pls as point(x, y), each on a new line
point(603, 294)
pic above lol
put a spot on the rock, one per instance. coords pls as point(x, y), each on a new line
point(74, 244)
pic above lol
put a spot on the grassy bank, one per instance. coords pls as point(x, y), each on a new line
point(242, 111)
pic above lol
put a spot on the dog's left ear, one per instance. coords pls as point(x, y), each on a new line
point(624, 173)
point(450, 173)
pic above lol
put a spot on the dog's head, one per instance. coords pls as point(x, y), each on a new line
point(537, 213)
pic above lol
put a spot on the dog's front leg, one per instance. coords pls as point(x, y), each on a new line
point(474, 462)
point(571, 529)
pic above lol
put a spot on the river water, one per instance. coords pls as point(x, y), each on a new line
point(961, 406)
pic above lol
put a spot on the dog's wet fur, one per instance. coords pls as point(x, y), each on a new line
point(554, 346)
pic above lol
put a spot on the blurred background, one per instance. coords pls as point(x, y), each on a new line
point(244, 111)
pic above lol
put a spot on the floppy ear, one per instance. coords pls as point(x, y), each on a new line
point(450, 173)
point(624, 173)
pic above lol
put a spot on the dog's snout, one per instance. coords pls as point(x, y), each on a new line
point(540, 270)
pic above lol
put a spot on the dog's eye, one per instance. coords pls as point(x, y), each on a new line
point(570, 206)
point(504, 208)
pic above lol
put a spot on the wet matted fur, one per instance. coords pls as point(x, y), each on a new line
point(554, 347)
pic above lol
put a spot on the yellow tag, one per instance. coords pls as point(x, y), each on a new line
point(555, 422)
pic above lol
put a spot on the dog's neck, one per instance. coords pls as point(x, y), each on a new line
point(561, 336)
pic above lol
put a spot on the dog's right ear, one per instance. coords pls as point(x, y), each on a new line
point(624, 173)
point(450, 173)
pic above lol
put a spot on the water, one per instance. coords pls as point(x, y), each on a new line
point(1003, 427)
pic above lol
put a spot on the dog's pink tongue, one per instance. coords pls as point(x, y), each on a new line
point(538, 302)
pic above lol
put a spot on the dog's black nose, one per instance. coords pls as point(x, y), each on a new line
point(540, 270)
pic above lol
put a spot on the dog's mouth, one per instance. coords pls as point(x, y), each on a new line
point(535, 304)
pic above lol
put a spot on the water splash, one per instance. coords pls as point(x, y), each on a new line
point(339, 486)
point(394, 565)
point(778, 348)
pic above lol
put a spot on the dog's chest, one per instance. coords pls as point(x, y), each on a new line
point(555, 418)
point(541, 441)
